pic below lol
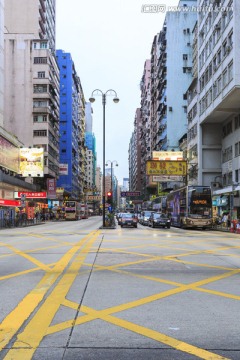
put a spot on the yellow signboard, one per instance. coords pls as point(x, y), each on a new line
point(164, 167)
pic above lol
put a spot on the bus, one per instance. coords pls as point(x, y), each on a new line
point(72, 210)
point(83, 211)
point(190, 207)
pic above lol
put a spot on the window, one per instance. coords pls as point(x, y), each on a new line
point(43, 45)
point(219, 57)
point(225, 78)
point(219, 85)
point(237, 149)
point(237, 122)
point(40, 133)
point(40, 60)
point(41, 74)
point(40, 118)
point(230, 71)
point(185, 56)
point(37, 104)
point(40, 88)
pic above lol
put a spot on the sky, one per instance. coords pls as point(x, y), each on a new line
point(109, 42)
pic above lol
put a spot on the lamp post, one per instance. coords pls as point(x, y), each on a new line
point(112, 163)
point(115, 100)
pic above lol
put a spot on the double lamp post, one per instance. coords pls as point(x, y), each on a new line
point(115, 100)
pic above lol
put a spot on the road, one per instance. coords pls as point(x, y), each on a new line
point(70, 290)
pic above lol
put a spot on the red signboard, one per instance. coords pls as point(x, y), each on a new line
point(4, 202)
point(31, 194)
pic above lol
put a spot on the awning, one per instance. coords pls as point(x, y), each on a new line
point(227, 190)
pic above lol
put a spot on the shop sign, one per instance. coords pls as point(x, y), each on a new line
point(165, 167)
point(51, 188)
point(5, 202)
point(30, 194)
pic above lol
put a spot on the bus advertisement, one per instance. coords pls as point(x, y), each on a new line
point(190, 207)
point(72, 210)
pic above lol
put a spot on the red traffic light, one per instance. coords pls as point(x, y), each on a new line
point(109, 193)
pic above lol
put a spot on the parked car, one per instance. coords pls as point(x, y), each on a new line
point(129, 220)
point(145, 217)
point(159, 220)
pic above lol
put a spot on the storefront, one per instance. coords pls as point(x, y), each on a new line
point(227, 200)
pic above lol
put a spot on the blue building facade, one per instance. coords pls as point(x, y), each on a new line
point(70, 136)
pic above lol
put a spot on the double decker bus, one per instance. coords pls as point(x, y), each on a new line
point(83, 211)
point(72, 210)
point(190, 207)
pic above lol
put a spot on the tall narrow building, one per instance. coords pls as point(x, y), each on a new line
point(72, 138)
point(31, 91)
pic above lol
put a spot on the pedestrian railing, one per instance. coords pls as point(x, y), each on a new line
point(12, 223)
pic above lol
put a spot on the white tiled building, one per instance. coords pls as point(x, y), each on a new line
point(219, 95)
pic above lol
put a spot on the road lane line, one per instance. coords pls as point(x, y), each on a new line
point(14, 320)
point(28, 341)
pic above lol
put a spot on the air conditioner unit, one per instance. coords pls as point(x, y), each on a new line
point(216, 185)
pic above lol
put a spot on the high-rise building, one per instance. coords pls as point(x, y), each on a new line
point(1, 59)
point(72, 138)
point(219, 93)
point(31, 91)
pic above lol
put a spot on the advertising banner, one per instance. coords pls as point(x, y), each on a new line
point(31, 162)
point(30, 194)
point(9, 155)
point(158, 167)
point(167, 155)
point(51, 188)
point(63, 169)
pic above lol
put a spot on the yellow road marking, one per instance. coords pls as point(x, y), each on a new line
point(24, 272)
point(26, 256)
point(14, 320)
point(37, 327)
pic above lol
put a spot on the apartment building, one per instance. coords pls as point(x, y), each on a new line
point(142, 126)
point(1, 59)
point(72, 126)
point(31, 91)
point(219, 92)
point(134, 154)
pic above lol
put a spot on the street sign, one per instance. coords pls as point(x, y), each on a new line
point(166, 167)
point(130, 193)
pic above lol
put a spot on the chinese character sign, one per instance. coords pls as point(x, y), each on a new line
point(158, 167)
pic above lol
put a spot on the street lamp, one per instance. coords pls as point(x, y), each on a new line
point(112, 163)
point(116, 100)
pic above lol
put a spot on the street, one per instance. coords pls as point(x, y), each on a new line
point(70, 290)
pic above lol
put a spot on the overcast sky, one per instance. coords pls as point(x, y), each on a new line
point(109, 42)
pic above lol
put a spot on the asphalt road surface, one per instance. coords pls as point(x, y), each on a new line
point(69, 290)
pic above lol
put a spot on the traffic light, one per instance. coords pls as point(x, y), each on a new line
point(109, 197)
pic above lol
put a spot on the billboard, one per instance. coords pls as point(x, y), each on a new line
point(167, 155)
point(63, 169)
point(31, 162)
point(51, 188)
point(164, 167)
point(9, 155)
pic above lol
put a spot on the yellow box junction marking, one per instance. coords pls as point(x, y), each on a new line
point(14, 320)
